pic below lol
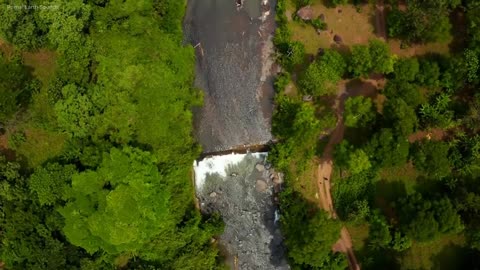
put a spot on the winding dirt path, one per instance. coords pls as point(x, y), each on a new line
point(324, 173)
point(380, 22)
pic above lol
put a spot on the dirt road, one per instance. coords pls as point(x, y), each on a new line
point(324, 173)
point(380, 22)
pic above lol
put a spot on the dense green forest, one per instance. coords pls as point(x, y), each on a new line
point(406, 174)
point(95, 138)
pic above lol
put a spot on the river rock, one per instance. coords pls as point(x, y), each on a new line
point(278, 179)
point(305, 13)
point(213, 194)
point(260, 167)
point(261, 186)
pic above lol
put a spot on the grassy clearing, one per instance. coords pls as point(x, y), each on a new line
point(443, 253)
point(405, 173)
point(359, 234)
point(352, 25)
point(291, 90)
point(420, 49)
point(39, 145)
point(355, 26)
point(43, 63)
point(305, 182)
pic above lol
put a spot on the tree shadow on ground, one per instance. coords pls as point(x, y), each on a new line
point(425, 185)
point(387, 193)
point(458, 31)
point(391, 190)
point(374, 259)
point(456, 257)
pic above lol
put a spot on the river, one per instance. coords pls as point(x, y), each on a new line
point(233, 68)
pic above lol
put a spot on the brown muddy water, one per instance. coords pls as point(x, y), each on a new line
point(233, 50)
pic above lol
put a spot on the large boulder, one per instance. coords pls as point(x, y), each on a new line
point(261, 186)
point(305, 13)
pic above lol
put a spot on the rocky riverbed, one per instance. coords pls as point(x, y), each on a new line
point(244, 189)
point(233, 46)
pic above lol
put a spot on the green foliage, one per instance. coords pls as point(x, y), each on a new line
point(353, 160)
point(302, 3)
point(422, 21)
point(386, 149)
point(295, 124)
point(123, 78)
point(360, 62)
point(336, 261)
point(310, 233)
point(358, 162)
point(171, 14)
point(468, 150)
point(471, 59)
point(281, 81)
point(319, 24)
point(293, 53)
point(359, 111)
point(338, 2)
point(409, 92)
point(65, 24)
point(395, 22)
point(312, 248)
point(400, 116)
point(322, 76)
point(49, 182)
point(15, 86)
point(471, 120)
point(432, 158)
point(31, 237)
point(401, 242)
point(429, 74)
point(120, 206)
point(438, 113)
point(372, 58)
point(406, 69)
point(350, 194)
point(75, 111)
point(425, 220)
point(379, 234)
point(383, 61)
point(19, 26)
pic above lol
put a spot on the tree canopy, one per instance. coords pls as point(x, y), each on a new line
point(323, 74)
point(359, 111)
point(95, 175)
point(374, 58)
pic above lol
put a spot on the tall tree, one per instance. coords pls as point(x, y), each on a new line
point(119, 207)
point(359, 111)
point(322, 76)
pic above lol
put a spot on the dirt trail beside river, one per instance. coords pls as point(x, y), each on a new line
point(324, 173)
